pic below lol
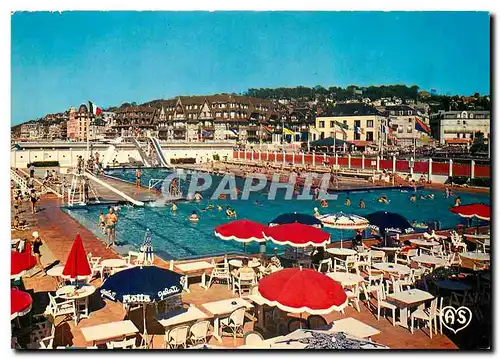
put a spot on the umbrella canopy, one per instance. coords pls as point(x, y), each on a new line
point(389, 222)
point(296, 218)
point(21, 261)
point(342, 220)
point(297, 235)
point(328, 142)
point(20, 303)
point(77, 265)
point(142, 285)
point(478, 210)
point(298, 290)
point(321, 339)
point(242, 230)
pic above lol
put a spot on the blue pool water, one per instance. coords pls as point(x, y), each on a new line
point(174, 237)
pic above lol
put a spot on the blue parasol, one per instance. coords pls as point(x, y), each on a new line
point(388, 222)
point(296, 218)
point(142, 285)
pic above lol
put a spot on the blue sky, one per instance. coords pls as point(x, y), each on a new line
point(64, 59)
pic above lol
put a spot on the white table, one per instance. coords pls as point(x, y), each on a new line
point(478, 236)
point(423, 243)
point(83, 293)
point(392, 268)
point(56, 271)
point(346, 279)
point(114, 263)
point(427, 259)
point(341, 251)
point(181, 316)
point(479, 257)
point(105, 332)
point(192, 270)
point(407, 299)
point(238, 263)
point(223, 308)
point(354, 327)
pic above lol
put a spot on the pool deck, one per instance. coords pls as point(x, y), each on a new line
point(58, 230)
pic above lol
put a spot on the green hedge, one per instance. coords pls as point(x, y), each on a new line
point(46, 163)
point(216, 157)
point(178, 161)
point(481, 182)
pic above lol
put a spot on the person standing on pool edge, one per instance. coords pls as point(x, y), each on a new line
point(138, 175)
point(111, 219)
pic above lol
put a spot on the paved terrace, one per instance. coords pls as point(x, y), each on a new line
point(58, 231)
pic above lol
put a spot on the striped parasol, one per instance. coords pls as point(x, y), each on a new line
point(343, 221)
point(147, 248)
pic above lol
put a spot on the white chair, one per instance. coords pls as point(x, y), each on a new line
point(484, 246)
point(234, 322)
point(198, 332)
point(43, 333)
point(220, 271)
point(323, 266)
point(371, 283)
point(383, 304)
point(135, 258)
point(122, 344)
point(176, 337)
point(340, 265)
point(59, 307)
point(253, 338)
point(426, 315)
point(378, 256)
point(406, 257)
point(439, 313)
point(352, 294)
point(245, 281)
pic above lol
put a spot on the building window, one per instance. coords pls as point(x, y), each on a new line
point(357, 136)
point(369, 124)
point(332, 124)
point(321, 124)
point(369, 136)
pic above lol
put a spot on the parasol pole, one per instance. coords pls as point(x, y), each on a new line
point(145, 331)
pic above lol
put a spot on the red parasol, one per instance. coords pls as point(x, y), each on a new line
point(298, 290)
point(477, 210)
point(21, 261)
point(241, 230)
point(77, 264)
point(297, 235)
point(20, 303)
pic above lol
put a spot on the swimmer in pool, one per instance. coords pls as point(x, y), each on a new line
point(324, 203)
point(458, 202)
point(174, 207)
point(194, 217)
point(430, 196)
point(210, 206)
point(362, 204)
point(219, 207)
point(316, 212)
point(347, 201)
point(197, 197)
point(257, 203)
point(383, 199)
point(422, 197)
point(413, 198)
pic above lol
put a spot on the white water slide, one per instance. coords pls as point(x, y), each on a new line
point(157, 147)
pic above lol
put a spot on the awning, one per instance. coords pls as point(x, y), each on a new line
point(360, 143)
point(458, 141)
point(329, 141)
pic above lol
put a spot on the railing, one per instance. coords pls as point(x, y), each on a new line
point(154, 181)
point(19, 180)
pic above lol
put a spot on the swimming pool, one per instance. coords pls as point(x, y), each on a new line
point(174, 237)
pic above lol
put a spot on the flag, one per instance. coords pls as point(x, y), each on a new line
point(422, 126)
point(268, 129)
point(342, 125)
point(288, 131)
point(357, 129)
point(94, 109)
